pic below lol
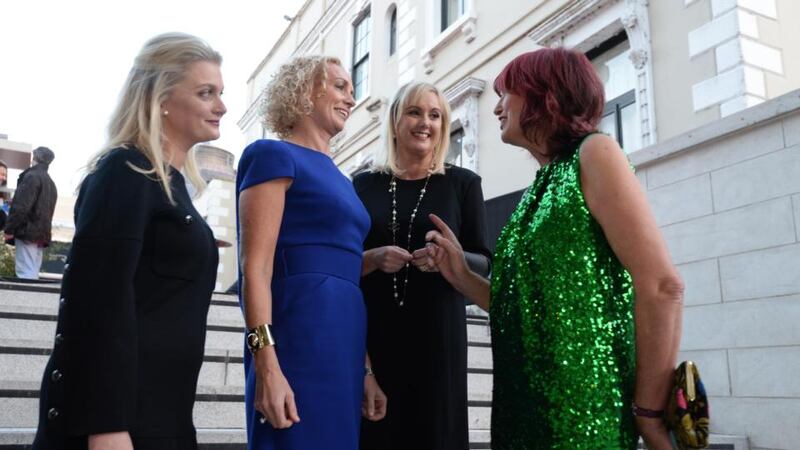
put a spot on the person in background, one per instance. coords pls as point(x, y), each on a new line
point(30, 217)
point(4, 206)
point(417, 331)
point(585, 303)
point(301, 231)
point(137, 286)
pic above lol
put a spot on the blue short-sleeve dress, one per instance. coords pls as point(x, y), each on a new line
point(318, 315)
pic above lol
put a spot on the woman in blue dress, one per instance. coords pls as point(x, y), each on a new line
point(301, 231)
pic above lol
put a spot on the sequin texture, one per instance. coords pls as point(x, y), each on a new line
point(562, 324)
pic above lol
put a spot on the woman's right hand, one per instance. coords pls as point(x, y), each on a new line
point(389, 258)
point(446, 251)
point(120, 440)
point(274, 397)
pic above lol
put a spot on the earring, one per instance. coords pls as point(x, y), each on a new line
point(165, 113)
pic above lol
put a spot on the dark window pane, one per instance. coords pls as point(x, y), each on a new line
point(620, 119)
point(393, 33)
point(360, 75)
point(451, 10)
point(360, 56)
point(608, 125)
point(629, 122)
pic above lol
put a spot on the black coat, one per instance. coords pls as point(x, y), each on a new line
point(132, 319)
point(31, 214)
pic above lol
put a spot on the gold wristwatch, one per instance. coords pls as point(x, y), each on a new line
point(259, 337)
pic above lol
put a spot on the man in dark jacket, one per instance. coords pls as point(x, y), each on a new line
point(3, 205)
point(29, 220)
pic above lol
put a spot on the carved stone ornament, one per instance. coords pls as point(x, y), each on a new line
point(638, 58)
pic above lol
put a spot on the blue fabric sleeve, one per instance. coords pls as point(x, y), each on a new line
point(262, 161)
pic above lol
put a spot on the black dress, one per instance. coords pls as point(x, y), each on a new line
point(419, 350)
point(132, 318)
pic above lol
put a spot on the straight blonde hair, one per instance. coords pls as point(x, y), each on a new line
point(136, 122)
point(386, 157)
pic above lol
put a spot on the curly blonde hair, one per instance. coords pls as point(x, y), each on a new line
point(288, 97)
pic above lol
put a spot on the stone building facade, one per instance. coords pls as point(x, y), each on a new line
point(702, 94)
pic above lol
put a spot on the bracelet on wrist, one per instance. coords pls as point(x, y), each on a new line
point(259, 337)
point(638, 411)
point(368, 371)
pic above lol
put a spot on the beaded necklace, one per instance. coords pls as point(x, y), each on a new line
point(394, 226)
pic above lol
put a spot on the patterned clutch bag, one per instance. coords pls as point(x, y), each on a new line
point(687, 412)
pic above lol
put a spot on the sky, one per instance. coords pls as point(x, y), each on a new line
point(63, 63)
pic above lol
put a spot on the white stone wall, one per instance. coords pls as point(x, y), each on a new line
point(727, 198)
point(742, 59)
point(218, 206)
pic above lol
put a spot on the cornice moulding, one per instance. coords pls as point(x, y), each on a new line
point(552, 30)
point(465, 88)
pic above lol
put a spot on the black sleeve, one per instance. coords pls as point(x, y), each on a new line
point(98, 322)
point(473, 228)
point(361, 182)
point(24, 198)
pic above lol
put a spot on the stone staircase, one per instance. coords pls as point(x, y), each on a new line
point(27, 323)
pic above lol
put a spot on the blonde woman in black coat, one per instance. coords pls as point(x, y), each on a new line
point(132, 320)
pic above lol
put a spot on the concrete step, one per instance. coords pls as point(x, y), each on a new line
point(213, 410)
point(24, 360)
point(234, 439)
point(479, 439)
point(34, 316)
point(721, 442)
point(207, 439)
point(215, 406)
point(220, 384)
point(27, 324)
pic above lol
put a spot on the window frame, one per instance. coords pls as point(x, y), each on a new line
point(444, 16)
point(359, 61)
point(599, 20)
point(393, 31)
point(459, 159)
point(615, 105)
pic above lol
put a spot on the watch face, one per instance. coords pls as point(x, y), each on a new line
point(252, 340)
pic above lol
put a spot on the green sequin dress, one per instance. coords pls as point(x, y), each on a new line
point(562, 324)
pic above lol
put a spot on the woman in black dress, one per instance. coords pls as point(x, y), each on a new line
point(137, 287)
point(416, 324)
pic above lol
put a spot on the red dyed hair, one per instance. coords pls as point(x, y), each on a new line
point(564, 97)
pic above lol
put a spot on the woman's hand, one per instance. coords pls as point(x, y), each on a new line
point(654, 433)
point(449, 259)
point(120, 440)
point(274, 397)
point(389, 259)
point(423, 259)
point(446, 251)
point(373, 407)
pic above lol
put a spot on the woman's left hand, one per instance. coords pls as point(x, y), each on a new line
point(423, 259)
point(654, 433)
point(373, 407)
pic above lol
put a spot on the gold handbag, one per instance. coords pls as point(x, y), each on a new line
point(687, 412)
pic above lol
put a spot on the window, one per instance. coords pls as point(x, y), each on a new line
point(620, 115)
point(393, 32)
point(451, 10)
point(454, 155)
point(361, 56)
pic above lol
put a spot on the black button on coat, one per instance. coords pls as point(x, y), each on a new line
point(132, 325)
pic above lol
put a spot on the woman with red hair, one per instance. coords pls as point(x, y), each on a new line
point(578, 363)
